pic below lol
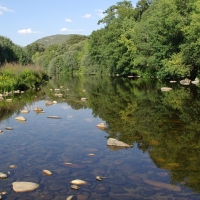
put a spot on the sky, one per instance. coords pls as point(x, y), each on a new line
point(25, 21)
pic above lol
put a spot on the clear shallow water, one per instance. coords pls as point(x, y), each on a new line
point(163, 164)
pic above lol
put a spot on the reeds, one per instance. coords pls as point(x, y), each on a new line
point(17, 77)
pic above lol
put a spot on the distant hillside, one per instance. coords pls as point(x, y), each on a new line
point(54, 39)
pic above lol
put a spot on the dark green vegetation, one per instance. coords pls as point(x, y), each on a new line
point(156, 38)
point(18, 77)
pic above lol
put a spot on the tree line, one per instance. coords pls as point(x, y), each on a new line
point(154, 38)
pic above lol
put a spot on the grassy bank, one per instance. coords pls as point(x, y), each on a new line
point(18, 77)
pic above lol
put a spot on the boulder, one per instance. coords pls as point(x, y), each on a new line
point(114, 142)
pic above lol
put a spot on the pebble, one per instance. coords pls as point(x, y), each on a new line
point(78, 182)
point(100, 178)
point(25, 111)
point(91, 154)
point(47, 172)
point(70, 197)
point(75, 187)
point(12, 166)
point(1, 131)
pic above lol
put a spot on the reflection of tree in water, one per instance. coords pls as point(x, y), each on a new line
point(7, 109)
point(165, 124)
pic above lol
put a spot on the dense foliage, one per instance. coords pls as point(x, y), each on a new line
point(155, 38)
point(10, 52)
point(158, 37)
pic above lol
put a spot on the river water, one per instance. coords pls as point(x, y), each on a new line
point(163, 127)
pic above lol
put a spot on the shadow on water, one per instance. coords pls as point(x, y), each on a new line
point(163, 126)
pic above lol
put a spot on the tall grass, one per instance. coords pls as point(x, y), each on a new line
point(17, 77)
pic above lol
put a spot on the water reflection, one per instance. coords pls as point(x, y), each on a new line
point(162, 126)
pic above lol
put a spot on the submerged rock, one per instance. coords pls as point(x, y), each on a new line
point(75, 187)
point(25, 111)
point(9, 128)
point(38, 109)
point(163, 185)
point(70, 197)
point(54, 117)
point(24, 186)
point(12, 166)
point(114, 142)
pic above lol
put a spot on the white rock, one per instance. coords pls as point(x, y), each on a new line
point(54, 102)
point(25, 111)
point(2, 175)
point(24, 186)
point(21, 118)
point(166, 89)
point(101, 125)
point(70, 197)
point(47, 172)
point(114, 142)
point(78, 182)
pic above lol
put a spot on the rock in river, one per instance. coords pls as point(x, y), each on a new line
point(78, 182)
point(20, 118)
point(24, 186)
point(2, 175)
point(25, 111)
point(114, 142)
point(47, 172)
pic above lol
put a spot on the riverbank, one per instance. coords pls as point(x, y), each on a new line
point(18, 77)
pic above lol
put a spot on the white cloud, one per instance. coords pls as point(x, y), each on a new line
point(68, 20)
point(27, 31)
point(71, 30)
point(100, 12)
point(4, 9)
point(87, 16)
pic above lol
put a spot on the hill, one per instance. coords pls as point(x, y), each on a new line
point(54, 39)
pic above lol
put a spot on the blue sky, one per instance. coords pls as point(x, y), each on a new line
point(25, 21)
